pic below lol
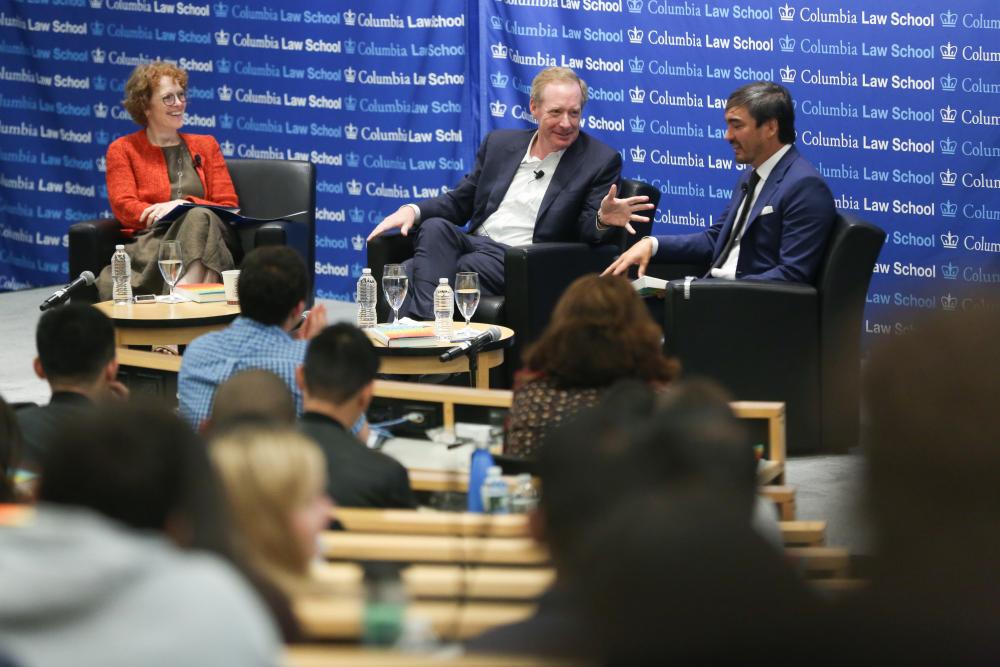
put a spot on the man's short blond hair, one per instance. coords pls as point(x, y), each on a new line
point(553, 75)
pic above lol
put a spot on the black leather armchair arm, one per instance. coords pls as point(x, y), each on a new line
point(91, 244)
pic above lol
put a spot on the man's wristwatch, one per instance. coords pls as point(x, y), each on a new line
point(600, 223)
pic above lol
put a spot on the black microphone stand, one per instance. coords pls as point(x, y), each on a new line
point(473, 355)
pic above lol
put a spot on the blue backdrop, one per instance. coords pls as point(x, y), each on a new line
point(897, 107)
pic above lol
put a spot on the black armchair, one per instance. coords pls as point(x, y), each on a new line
point(535, 277)
point(774, 341)
point(266, 189)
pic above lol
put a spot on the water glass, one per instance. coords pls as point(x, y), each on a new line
point(394, 284)
point(467, 299)
point(171, 267)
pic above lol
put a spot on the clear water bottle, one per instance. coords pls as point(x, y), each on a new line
point(121, 276)
point(524, 499)
point(444, 310)
point(384, 615)
point(365, 295)
point(496, 496)
point(481, 462)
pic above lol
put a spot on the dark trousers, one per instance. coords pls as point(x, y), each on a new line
point(440, 250)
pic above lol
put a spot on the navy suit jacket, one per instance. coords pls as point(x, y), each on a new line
point(568, 211)
point(785, 244)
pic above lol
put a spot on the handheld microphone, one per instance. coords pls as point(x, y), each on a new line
point(473, 344)
point(538, 174)
point(61, 295)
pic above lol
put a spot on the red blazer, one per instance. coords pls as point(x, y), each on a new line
point(137, 176)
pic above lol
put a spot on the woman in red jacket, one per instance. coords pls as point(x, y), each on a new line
point(153, 170)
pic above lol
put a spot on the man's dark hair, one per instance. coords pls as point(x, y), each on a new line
point(339, 362)
point(75, 342)
point(273, 280)
point(765, 100)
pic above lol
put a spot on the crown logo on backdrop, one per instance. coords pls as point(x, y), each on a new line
point(949, 82)
point(349, 45)
point(96, 4)
point(948, 51)
point(635, 35)
point(351, 131)
point(948, 178)
point(358, 242)
point(949, 271)
point(637, 95)
point(356, 215)
point(227, 148)
point(349, 17)
point(102, 137)
point(101, 110)
point(637, 124)
point(223, 65)
point(221, 10)
point(788, 74)
point(498, 50)
point(634, 6)
point(350, 75)
point(350, 103)
point(949, 240)
point(496, 22)
point(98, 55)
point(352, 159)
point(786, 12)
point(354, 187)
point(638, 154)
point(949, 208)
point(948, 145)
point(225, 93)
point(102, 163)
point(948, 114)
point(499, 80)
point(356, 270)
point(949, 19)
point(636, 65)
point(787, 43)
point(222, 37)
point(226, 121)
point(497, 109)
point(100, 83)
point(96, 28)
point(948, 302)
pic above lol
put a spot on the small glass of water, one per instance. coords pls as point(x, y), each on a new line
point(467, 299)
point(394, 284)
point(171, 266)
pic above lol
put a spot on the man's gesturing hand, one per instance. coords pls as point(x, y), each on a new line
point(402, 218)
point(620, 212)
point(640, 254)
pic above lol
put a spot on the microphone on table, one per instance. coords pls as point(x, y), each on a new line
point(539, 173)
point(473, 344)
point(62, 294)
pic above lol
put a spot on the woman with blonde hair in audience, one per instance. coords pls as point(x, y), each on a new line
point(275, 483)
point(600, 332)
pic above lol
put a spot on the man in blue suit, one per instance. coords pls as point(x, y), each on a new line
point(528, 186)
point(780, 215)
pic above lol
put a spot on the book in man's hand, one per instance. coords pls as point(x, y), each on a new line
point(226, 214)
point(201, 292)
point(404, 335)
point(649, 286)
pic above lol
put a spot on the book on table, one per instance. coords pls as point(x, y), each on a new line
point(404, 335)
point(201, 292)
point(650, 286)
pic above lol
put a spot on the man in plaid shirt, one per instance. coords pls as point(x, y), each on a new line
point(273, 289)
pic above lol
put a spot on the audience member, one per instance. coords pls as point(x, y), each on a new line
point(274, 285)
point(254, 395)
point(600, 332)
point(275, 482)
point(10, 445)
point(121, 563)
point(76, 356)
point(337, 382)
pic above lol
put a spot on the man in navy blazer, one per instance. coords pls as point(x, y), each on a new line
point(527, 186)
point(791, 211)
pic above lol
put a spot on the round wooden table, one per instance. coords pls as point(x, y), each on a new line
point(166, 323)
point(425, 361)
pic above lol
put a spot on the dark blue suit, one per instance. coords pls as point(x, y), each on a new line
point(568, 212)
point(785, 244)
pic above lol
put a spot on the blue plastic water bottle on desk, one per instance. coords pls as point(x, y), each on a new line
point(482, 461)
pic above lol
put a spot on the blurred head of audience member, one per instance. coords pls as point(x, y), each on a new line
point(253, 395)
point(76, 351)
point(273, 286)
point(275, 482)
point(600, 332)
point(10, 444)
point(338, 374)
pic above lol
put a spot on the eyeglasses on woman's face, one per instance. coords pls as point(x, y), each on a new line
point(174, 99)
